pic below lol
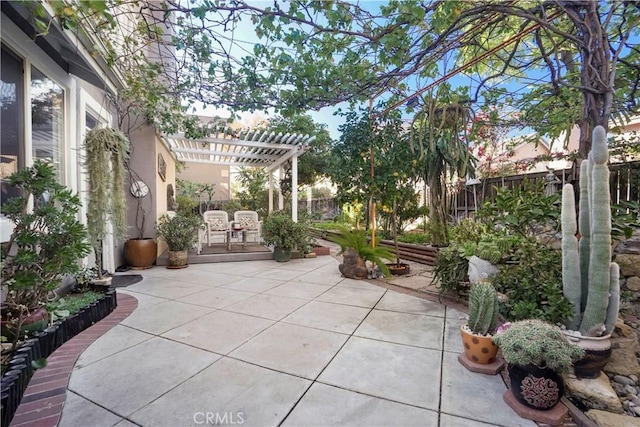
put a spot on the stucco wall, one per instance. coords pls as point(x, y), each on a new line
point(209, 174)
point(161, 186)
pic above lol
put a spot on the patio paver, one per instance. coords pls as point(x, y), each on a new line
point(231, 388)
point(355, 354)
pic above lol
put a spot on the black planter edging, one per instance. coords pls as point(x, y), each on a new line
point(20, 370)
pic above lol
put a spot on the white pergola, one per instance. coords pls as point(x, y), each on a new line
point(256, 148)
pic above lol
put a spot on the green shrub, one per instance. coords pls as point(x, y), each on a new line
point(416, 238)
point(468, 230)
point(524, 210)
point(532, 281)
point(450, 271)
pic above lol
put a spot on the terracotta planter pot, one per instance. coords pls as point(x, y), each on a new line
point(399, 269)
point(140, 254)
point(478, 348)
point(321, 250)
point(178, 259)
point(35, 322)
point(597, 352)
point(537, 388)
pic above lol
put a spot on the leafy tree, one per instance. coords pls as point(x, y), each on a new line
point(254, 193)
point(313, 164)
point(394, 168)
point(579, 59)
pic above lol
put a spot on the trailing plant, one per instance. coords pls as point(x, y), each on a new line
point(107, 151)
point(46, 243)
point(179, 231)
point(358, 241)
point(534, 342)
point(532, 282)
point(483, 309)
point(590, 279)
point(280, 230)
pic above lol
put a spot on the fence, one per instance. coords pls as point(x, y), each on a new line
point(624, 186)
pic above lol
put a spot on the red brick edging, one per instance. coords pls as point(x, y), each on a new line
point(42, 403)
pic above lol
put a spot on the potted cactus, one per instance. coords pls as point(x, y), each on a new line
point(590, 279)
point(536, 353)
point(477, 338)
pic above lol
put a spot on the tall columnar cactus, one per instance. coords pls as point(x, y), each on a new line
point(590, 279)
point(483, 308)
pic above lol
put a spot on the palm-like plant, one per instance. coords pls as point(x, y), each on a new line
point(358, 241)
point(443, 154)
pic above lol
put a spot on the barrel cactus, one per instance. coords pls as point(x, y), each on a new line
point(483, 308)
point(590, 279)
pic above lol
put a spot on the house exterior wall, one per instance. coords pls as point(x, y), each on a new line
point(162, 199)
point(203, 173)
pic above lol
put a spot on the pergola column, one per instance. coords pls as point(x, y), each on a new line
point(294, 188)
point(280, 196)
point(270, 191)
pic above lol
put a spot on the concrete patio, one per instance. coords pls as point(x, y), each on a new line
point(294, 344)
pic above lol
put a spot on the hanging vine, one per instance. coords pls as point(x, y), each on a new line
point(107, 151)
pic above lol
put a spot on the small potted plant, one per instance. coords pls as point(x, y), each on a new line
point(180, 232)
point(281, 231)
point(477, 334)
point(536, 353)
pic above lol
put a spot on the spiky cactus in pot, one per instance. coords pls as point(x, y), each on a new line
point(590, 279)
point(483, 308)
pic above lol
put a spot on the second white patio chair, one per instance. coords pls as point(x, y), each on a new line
point(249, 222)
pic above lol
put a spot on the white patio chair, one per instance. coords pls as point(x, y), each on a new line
point(249, 222)
point(216, 226)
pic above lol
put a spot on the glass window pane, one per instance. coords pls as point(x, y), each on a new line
point(47, 118)
point(12, 119)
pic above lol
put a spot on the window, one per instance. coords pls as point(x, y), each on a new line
point(12, 119)
point(47, 118)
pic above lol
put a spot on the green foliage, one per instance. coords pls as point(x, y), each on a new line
point(467, 230)
point(180, 232)
point(534, 342)
point(254, 193)
point(47, 241)
point(451, 270)
point(313, 165)
point(625, 219)
point(107, 151)
point(483, 309)
point(280, 230)
point(416, 238)
point(358, 241)
point(532, 282)
point(524, 211)
point(350, 214)
point(71, 304)
point(186, 205)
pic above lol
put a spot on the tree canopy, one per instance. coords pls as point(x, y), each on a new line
point(559, 62)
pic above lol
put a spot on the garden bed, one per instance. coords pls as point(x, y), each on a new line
point(22, 364)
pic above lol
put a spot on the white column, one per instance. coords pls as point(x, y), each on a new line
point(294, 188)
point(270, 191)
point(280, 196)
point(309, 199)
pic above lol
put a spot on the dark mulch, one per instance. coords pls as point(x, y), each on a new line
point(123, 280)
